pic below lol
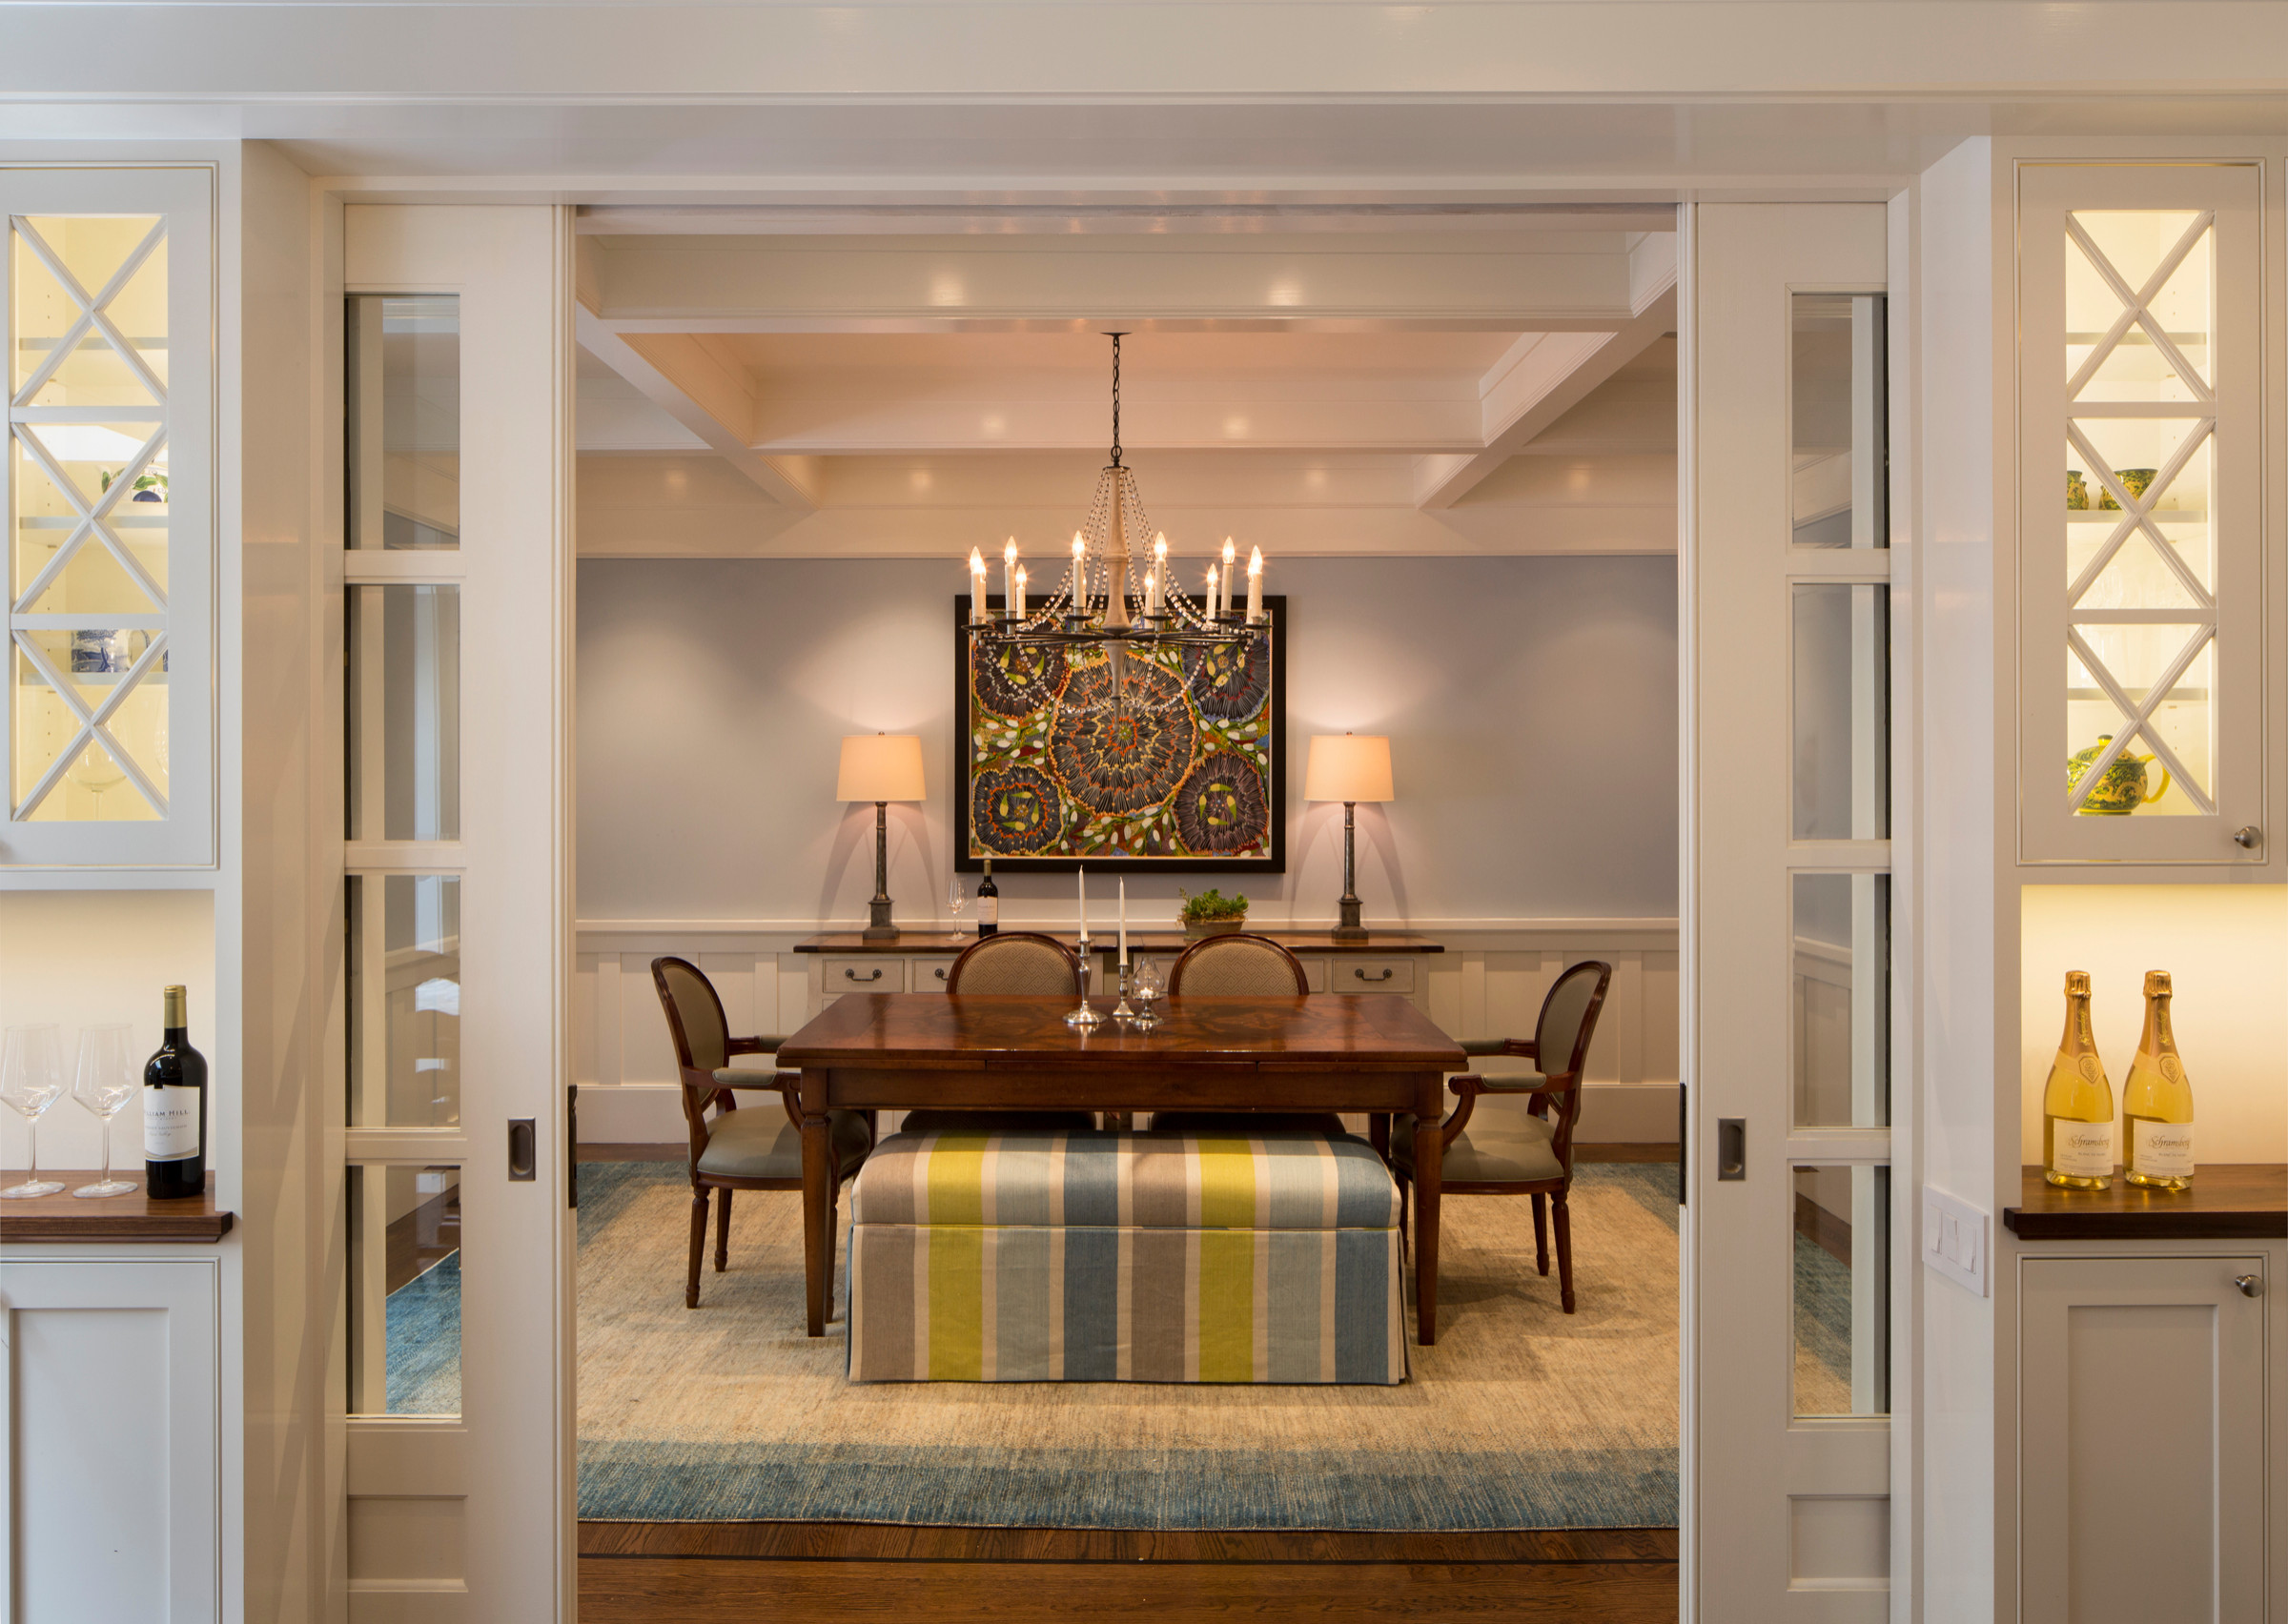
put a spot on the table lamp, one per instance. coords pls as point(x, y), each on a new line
point(880, 767)
point(1349, 768)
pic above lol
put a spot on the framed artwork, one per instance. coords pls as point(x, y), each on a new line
point(1197, 785)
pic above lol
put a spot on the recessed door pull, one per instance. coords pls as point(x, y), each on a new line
point(1731, 1148)
point(523, 1159)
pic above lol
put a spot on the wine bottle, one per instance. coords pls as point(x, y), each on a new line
point(2077, 1104)
point(988, 903)
point(2156, 1101)
point(175, 1111)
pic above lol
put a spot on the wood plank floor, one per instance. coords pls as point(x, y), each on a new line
point(733, 1572)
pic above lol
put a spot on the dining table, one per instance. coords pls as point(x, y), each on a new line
point(1375, 1053)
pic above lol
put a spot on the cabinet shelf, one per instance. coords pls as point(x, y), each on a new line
point(117, 520)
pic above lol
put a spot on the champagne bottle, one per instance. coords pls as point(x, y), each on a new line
point(2077, 1102)
point(175, 1111)
point(2156, 1101)
point(988, 903)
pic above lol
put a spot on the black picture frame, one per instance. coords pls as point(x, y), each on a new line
point(1273, 862)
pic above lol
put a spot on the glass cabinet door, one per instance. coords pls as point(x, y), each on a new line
point(2142, 515)
point(106, 282)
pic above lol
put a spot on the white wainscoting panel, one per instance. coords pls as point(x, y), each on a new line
point(1488, 982)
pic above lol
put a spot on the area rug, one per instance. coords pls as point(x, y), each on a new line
point(1521, 1417)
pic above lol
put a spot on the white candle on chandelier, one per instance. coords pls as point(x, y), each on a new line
point(1016, 599)
point(1151, 593)
point(1159, 568)
point(1210, 592)
point(976, 586)
point(1230, 577)
point(1008, 574)
point(1255, 584)
point(1080, 573)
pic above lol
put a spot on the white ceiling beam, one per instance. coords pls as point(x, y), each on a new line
point(689, 380)
point(1538, 382)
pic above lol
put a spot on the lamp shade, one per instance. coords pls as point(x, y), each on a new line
point(1348, 766)
point(880, 766)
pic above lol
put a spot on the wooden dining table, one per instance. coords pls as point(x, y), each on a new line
point(1360, 1052)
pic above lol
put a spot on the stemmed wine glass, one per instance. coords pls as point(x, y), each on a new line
point(31, 1079)
point(957, 896)
point(104, 1083)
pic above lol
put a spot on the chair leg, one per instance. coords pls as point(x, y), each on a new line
point(699, 1245)
point(723, 1230)
point(1565, 1250)
point(1541, 1233)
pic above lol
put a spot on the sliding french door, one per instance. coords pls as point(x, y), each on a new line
point(457, 577)
point(1787, 584)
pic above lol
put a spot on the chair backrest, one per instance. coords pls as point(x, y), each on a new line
point(1017, 961)
point(1561, 1039)
point(1238, 966)
point(702, 1038)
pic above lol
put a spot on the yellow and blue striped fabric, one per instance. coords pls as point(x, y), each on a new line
point(1124, 1257)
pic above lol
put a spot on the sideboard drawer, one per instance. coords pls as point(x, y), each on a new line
point(867, 972)
point(1371, 975)
point(929, 975)
point(1314, 973)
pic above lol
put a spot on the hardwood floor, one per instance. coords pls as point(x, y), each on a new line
point(732, 1572)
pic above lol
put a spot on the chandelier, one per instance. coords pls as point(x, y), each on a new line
point(1118, 634)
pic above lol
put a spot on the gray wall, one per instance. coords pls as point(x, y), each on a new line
point(1530, 703)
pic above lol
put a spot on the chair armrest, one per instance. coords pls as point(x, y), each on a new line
point(1515, 1049)
point(728, 1078)
point(1525, 1082)
point(767, 1043)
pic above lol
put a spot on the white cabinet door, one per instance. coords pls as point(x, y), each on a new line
point(110, 1410)
point(108, 493)
point(2141, 1437)
point(2144, 608)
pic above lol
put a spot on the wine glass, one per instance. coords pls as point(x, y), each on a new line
point(94, 771)
point(957, 897)
point(31, 1079)
point(104, 1083)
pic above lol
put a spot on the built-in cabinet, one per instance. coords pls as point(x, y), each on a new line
point(107, 281)
point(2149, 556)
point(2147, 1406)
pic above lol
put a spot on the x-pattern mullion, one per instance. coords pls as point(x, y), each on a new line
point(91, 518)
point(2136, 512)
point(92, 309)
point(94, 725)
point(2138, 716)
point(2133, 307)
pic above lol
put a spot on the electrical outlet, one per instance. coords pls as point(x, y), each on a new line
point(1955, 1239)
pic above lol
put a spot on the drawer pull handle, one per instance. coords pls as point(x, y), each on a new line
point(854, 975)
point(2251, 1285)
point(1387, 973)
point(939, 972)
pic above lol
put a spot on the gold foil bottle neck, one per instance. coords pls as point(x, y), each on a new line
point(2157, 984)
point(2077, 983)
point(178, 1000)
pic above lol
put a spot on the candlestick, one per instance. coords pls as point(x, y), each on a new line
point(1083, 873)
point(1017, 597)
point(1255, 584)
point(1124, 923)
point(1151, 593)
point(1212, 592)
point(976, 586)
point(1011, 575)
point(1080, 574)
point(1230, 577)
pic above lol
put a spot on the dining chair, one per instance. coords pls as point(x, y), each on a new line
point(736, 1149)
point(1242, 966)
point(1536, 1158)
point(1009, 961)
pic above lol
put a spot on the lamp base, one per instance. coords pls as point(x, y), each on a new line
point(1349, 933)
point(880, 933)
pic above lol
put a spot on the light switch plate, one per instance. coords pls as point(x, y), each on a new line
point(1955, 1239)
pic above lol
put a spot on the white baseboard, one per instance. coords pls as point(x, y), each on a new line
point(651, 1113)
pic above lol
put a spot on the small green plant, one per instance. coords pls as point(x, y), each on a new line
point(1212, 904)
point(143, 482)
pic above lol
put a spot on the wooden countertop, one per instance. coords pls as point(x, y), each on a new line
point(1108, 940)
point(135, 1217)
point(2229, 1199)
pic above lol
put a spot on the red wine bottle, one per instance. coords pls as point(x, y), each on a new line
point(175, 1111)
point(988, 903)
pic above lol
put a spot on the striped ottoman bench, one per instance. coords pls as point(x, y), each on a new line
point(1146, 1257)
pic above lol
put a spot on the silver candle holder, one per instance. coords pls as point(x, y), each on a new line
point(1121, 1011)
point(1085, 1017)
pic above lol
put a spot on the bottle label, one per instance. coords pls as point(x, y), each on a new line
point(2082, 1149)
point(170, 1124)
point(2161, 1149)
point(989, 910)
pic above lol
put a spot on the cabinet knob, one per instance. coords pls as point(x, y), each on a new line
point(2251, 1285)
point(2247, 837)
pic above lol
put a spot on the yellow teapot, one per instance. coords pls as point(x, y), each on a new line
point(2120, 789)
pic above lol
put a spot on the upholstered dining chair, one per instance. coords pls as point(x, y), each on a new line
point(1535, 1159)
point(1009, 961)
point(1242, 966)
point(736, 1149)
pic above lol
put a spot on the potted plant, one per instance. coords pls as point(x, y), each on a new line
point(149, 487)
point(1211, 913)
